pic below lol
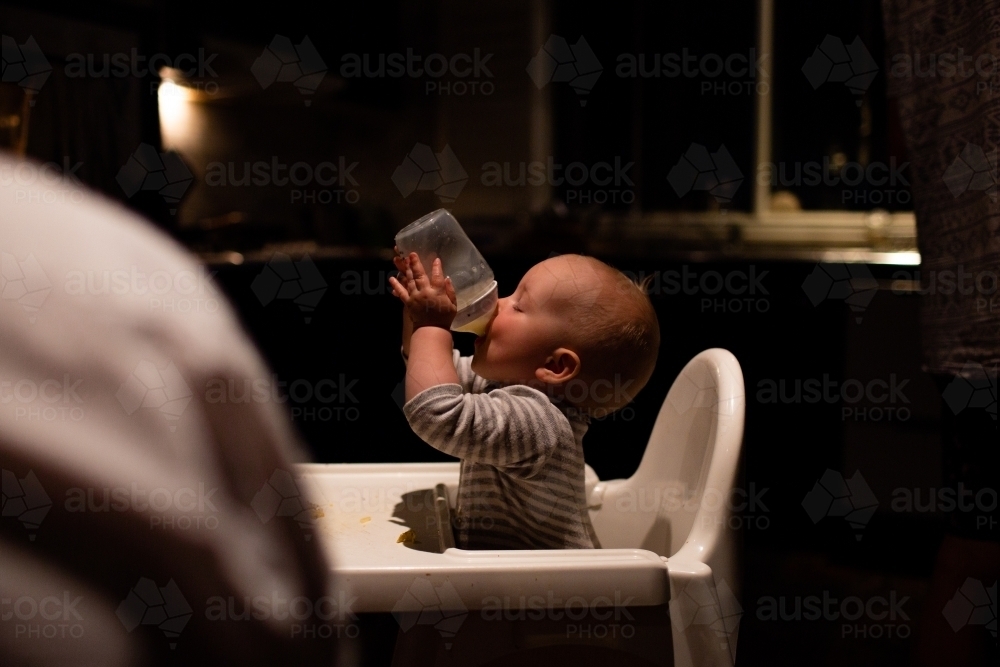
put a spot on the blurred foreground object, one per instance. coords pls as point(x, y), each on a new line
point(135, 500)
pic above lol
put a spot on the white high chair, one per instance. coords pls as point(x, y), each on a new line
point(665, 532)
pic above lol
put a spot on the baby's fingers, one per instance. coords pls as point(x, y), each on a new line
point(437, 274)
point(449, 290)
point(399, 260)
point(417, 269)
point(399, 290)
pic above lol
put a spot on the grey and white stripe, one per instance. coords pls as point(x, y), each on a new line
point(522, 478)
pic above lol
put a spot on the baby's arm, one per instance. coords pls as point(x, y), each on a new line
point(515, 428)
point(431, 362)
point(431, 305)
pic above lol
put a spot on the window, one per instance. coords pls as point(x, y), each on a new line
point(789, 153)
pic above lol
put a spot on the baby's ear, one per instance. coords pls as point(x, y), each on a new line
point(562, 366)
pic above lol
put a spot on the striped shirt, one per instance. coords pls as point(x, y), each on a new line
point(521, 482)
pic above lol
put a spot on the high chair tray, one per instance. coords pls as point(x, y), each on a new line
point(377, 524)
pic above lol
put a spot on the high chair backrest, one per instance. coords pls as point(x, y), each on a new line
point(684, 490)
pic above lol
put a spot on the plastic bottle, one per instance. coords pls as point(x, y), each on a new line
point(438, 234)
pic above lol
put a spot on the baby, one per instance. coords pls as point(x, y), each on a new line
point(576, 339)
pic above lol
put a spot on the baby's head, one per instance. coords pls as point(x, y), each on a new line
point(574, 327)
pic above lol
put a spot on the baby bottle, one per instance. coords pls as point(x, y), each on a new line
point(438, 234)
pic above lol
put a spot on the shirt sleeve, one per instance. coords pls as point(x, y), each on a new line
point(515, 428)
point(471, 383)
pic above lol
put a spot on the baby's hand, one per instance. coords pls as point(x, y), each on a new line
point(430, 300)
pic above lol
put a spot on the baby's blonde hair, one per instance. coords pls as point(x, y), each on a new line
point(617, 337)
